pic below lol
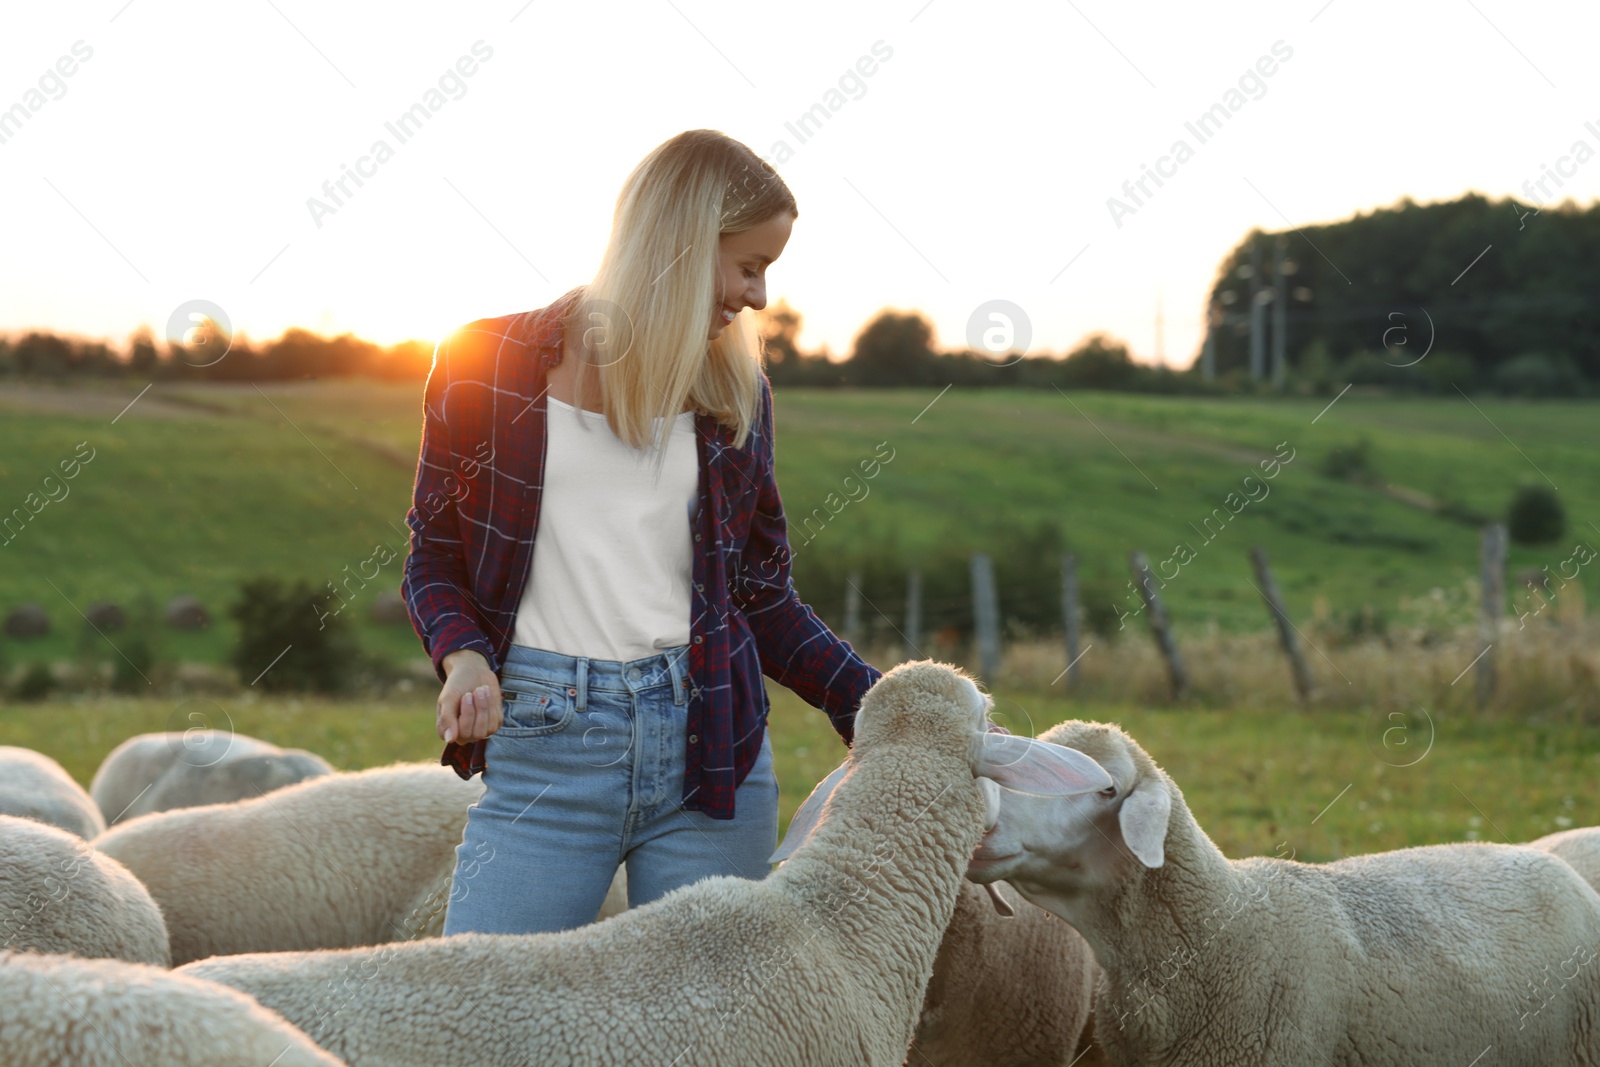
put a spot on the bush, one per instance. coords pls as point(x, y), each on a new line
point(131, 670)
point(1536, 516)
point(128, 672)
point(293, 631)
point(1351, 463)
point(1537, 374)
point(1368, 622)
point(36, 682)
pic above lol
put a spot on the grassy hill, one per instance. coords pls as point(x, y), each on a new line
point(194, 487)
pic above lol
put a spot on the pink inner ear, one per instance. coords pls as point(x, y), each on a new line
point(1030, 766)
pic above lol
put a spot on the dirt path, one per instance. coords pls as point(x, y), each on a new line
point(98, 401)
point(111, 401)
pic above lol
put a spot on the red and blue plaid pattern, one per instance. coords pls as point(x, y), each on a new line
point(475, 510)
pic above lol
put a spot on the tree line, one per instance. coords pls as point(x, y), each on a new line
point(1475, 294)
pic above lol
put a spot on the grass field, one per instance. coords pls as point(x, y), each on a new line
point(194, 487)
point(1259, 781)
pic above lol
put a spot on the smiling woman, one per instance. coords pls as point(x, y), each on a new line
point(624, 669)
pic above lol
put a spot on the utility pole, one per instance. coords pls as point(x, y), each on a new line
point(1258, 317)
point(1208, 353)
point(1280, 314)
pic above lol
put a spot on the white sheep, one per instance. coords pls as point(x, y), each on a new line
point(1007, 990)
point(184, 769)
point(60, 895)
point(1431, 955)
point(824, 961)
point(57, 1010)
point(34, 786)
point(1579, 847)
point(352, 858)
point(1012, 984)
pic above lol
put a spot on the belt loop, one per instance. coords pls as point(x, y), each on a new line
point(675, 666)
point(583, 682)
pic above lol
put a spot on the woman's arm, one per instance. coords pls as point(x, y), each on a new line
point(797, 649)
point(434, 580)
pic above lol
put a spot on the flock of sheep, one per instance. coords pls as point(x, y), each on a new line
point(952, 894)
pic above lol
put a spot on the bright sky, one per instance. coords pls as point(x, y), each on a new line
point(972, 164)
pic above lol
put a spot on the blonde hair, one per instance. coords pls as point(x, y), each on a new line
point(641, 326)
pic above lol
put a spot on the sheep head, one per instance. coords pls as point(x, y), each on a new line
point(1054, 850)
point(927, 703)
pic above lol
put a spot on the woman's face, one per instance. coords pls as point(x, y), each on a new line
point(742, 268)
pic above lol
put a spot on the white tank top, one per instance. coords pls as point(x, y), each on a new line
point(612, 556)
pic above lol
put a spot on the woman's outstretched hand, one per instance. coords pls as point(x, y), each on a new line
point(469, 704)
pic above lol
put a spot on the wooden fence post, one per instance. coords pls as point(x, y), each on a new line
point(912, 632)
point(1069, 614)
point(1286, 630)
point(852, 609)
point(986, 618)
point(1492, 572)
point(1160, 625)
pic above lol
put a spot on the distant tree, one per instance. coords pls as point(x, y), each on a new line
point(43, 354)
point(142, 355)
point(893, 349)
point(348, 355)
point(406, 361)
point(1099, 362)
point(780, 333)
point(1507, 278)
point(297, 354)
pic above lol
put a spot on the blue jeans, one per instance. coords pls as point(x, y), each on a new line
point(585, 774)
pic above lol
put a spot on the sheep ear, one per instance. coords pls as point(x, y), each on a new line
point(1030, 766)
point(1143, 819)
point(1001, 904)
point(806, 816)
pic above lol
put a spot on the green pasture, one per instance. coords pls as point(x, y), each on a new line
point(1322, 784)
point(197, 486)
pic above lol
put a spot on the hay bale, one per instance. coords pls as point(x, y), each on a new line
point(184, 612)
point(27, 620)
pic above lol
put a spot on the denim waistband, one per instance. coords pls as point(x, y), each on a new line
point(579, 674)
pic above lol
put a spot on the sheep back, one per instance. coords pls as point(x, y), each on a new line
point(1419, 955)
point(823, 962)
point(164, 771)
point(1006, 991)
point(724, 971)
point(60, 895)
point(103, 1013)
point(1579, 847)
point(34, 786)
point(352, 858)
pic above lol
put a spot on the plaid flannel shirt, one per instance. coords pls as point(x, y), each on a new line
point(475, 511)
